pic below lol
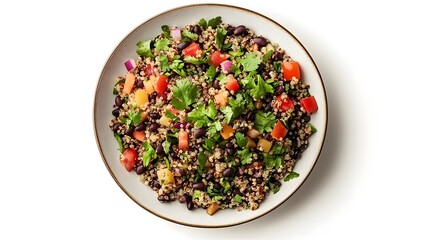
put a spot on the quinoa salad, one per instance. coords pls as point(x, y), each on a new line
point(212, 115)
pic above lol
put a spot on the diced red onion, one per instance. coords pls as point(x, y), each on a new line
point(226, 66)
point(176, 33)
point(130, 64)
point(179, 125)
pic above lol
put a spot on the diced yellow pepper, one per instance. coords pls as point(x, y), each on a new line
point(227, 131)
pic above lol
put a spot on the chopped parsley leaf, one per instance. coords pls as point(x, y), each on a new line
point(260, 89)
point(272, 161)
point(166, 30)
point(189, 35)
point(211, 73)
point(220, 37)
point(177, 66)
point(119, 140)
point(162, 44)
point(167, 163)
point(143, 49)
point(202, 159)
point(163, 59)
point(237, 198)
point(245, 156)
point(240, 139)
point(214, 22)
point(291, 176)
point(194, 60)
point(149, 153)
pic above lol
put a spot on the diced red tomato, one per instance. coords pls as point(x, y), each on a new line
point(217, 58)
point(183, 140)
point(290, 70)
point(148, 70)
point(284, 103)
point(129, 158)
point(191, 50)
point(163, 96)
point(161, 84)
point(279, 131)
point(232, 83)
point(309, 104)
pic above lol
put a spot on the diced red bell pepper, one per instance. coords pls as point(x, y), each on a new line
point(129, 158)
point(309, 104)
point(290, 70)
point(217, 58)
point(232, 83)
point(161, 84)
point(191, 50)
point(279, 131)
point(284, 103)
point(183, 140)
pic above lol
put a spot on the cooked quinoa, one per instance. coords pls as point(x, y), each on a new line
point(212, 115)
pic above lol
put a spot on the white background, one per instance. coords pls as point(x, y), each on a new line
point(370, 181)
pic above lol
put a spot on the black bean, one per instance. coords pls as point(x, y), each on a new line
point(116, 112)
point(259, 180)
point(276, 183)
point(267, 107)
point(139, 84)
point(268, 99)
point(242, 129)
point(227, 172)
point(156, 184)
point(305, 117)
point(119, 101)
point(153, 127)
point(209, 177)
point(183, 199)
point(139, 169)
point(129, 131)
point(116, 126)
point(230, 151)
point(163, 198)
point(216, 84)
point(266, 75)
point(173, 154)
point(190, 205)
point(279, 90)
point(229, 145)
point(152, 96)
point(277, 56)
point(250, 116)
point(198, 186)
point(182, 45)
point(230, 30)
point(239, 30)
point(261, 68)
point(261, 41)
point(267, 136)
point(204, 66)
point(159, 149)
point(140, 127)
point(236, 191)
point(199, 132)
point(217, 186)
point(154, 115)
point(196, 29)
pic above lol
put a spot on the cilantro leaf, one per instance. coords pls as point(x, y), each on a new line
point(264, 121)
point(209, 144)
point(134, 117)
point(214, 128)
point(245, 156)
point(237, 198)
point(211, 73)
point(278, 149)
point(220, 37)
point(235, 108)
point(267, 55)
point(260, 89)
point(149, 153)
point(214, 22)
point(248, 81)
point(241, 139)
point(277, 66)
point(166, 30)
point(201, 116)
point(170, 115)
point(184, 94)
point(167, 163)
point(162, 44)
point(227, 111)
point(166, 146)
point(177, 66)
point(274, 187)
point(189, 35)
point(226, 186)
point(249, 101)
point(119, 140)
point(203, 23)
point(312, 128)
point(163, 59)
point(272, 161)
point(291, 176)
point(202, 159)
point(211, 110)
point(194, 60)
point(143, 49)
point(233, 54)
point(250, 62)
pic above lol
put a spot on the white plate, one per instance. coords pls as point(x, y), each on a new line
point(143, 195)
